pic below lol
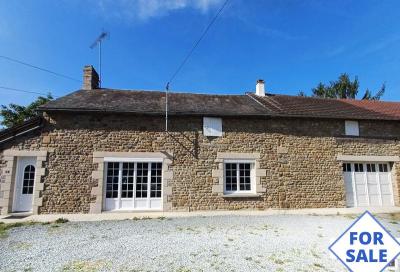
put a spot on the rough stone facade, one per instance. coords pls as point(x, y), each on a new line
point(299, 156)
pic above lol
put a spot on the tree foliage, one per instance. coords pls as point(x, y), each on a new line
point(14, 114)
point(345, 88)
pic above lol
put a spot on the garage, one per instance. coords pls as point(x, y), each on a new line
point(368, 184)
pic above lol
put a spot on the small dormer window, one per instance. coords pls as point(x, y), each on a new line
point(352, 128)
point(212, 126)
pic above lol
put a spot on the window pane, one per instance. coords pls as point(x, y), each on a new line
point(383, 167)
point(237, 180)
point(112, 180)
point(156, 170)
point(371, 167)
point(245, 176)
point(346, 167)
point(141, 180)
point(230, 177)
point(358, 167)
point(128, 169)
point(28, 181)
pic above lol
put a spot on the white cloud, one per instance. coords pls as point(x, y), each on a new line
point(145, 9)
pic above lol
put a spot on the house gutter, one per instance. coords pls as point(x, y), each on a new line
point(19, 134)
point(22, 129)
point(280, 115)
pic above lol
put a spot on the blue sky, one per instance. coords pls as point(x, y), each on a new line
point(290, 44)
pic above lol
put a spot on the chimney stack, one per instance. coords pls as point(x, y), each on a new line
point(90, 78)
point(260, 88)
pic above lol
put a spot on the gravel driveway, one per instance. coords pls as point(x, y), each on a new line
point(212, 243)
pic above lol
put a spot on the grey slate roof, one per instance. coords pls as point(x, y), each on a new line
point(153, 103)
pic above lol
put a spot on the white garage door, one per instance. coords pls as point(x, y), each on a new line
point(133, 186)
point(368, 184)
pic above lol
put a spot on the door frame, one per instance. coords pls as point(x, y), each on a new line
point(18, 183)
point(10, 157)
point(119, 199)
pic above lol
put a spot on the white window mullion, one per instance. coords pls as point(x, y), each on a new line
point(378, 181)
point(389, 171)
point(366, 183)
point(353, 184)
point(237, 177)
point(134, 185)
point(148, 183)
point(119, 184)
point(105, 177)
point(253, 183)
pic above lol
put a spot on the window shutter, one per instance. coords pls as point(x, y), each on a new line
point(212, 126)
point(351, 128)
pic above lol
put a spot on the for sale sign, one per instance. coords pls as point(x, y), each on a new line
point(366, 245)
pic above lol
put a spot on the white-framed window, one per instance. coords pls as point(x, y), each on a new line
point(239, 177)
point(212, 126)
point(131, 184)
point(352, 128)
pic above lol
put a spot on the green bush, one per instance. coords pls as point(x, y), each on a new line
point(61, 220)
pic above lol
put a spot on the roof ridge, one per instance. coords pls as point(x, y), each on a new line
point(161, 91)
point(335, 99)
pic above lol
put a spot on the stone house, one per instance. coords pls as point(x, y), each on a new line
point(98, 150)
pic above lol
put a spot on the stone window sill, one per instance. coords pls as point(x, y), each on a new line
point(241, 195)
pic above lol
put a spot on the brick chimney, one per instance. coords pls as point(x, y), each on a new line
point(260, 87)
point(90, 78)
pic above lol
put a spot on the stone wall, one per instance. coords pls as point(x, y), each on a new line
point(298, 154)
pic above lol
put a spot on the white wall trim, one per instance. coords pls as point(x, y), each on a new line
point(368, 158)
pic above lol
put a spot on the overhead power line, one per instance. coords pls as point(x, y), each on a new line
point(22, 91)
point(39, 68)
point(196, 44)
point(188, 55)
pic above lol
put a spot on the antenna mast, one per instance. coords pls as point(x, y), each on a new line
point(98, 42)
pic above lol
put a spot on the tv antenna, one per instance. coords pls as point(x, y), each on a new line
point(98, 42)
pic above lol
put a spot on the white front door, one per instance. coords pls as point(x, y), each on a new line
point(24, 183)
point(133, 186)
point(368, 184)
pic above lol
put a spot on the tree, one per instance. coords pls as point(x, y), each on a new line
point(345, 88)
point(14, 114)
point(302, 93)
